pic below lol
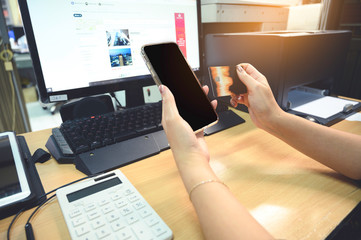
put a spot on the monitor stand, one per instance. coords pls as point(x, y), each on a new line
point(226, 119)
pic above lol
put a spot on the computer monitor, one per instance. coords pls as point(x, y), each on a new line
point(83, 48)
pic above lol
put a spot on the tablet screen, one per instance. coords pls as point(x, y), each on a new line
point(9, 179)
point(13, 181)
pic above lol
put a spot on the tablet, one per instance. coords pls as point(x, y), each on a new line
point(14, 185)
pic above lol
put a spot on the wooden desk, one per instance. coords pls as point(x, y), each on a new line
point(291, 195)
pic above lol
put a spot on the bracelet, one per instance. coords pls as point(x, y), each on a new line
point(204, 182)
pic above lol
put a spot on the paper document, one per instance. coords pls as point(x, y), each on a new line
point(317, 105)
point(354, 117)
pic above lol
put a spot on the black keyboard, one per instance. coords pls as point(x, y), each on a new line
point(85, 134)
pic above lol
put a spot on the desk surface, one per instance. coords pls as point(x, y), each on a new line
point(291, 195)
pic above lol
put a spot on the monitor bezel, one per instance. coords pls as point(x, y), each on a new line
point(129, 84)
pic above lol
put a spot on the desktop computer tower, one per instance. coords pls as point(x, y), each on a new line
point(287, 59)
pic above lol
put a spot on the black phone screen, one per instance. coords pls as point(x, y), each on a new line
point(173, 71)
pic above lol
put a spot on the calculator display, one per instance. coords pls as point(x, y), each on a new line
point(93, 189)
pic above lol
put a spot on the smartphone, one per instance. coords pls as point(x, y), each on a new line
point(14, 185)
point(169, 67)
point(224, 81)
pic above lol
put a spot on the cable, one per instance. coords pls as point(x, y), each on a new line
point(12, 222)
point(28, 227)
point(119, 105)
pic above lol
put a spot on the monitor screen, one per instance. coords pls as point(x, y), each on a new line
point(82, 48)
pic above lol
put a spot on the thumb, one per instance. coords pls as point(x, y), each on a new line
point(169, 107)
point(245, 78)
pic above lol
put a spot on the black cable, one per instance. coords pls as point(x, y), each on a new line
point(119, 105)
point(12, 222)
point(28, 227)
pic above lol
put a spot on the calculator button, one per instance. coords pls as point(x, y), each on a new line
point(107, 209)
point(132, 219)
point(152, 220)
point(125, 211)
point(112, 217)
point(128, 191)
point(125, 234)
point(86, 237)
point(142, 232)
point(116, 226)
point(75, 212)
point(133, 198)
point(145, 213)
point(138, 205)
point(78, 221)
point(89, 207)
point(103, 202)
point(102, 233)
point(158, 230)
point(121, 203)
point(80, 231)
point(98, 223)
point(116, 196)
point(93, 215)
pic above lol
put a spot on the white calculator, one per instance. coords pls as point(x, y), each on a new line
point(110, 207)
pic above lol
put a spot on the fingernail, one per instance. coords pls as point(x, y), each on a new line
point(161, 89)
point(239, 68)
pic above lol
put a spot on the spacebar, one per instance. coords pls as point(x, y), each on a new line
point(124, 136)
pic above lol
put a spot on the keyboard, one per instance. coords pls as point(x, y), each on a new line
point(110, 207)
point(85, 134)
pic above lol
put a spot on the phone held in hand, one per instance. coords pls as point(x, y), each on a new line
point(169, 67)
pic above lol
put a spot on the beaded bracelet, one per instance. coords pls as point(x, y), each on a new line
point(204, 182)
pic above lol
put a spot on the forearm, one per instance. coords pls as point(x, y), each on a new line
point(338, 150)
point(220, 213)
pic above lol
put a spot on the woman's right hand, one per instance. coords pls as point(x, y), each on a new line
point(259, 98)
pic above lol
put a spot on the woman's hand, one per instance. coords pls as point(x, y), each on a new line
point(259, 98)
point(186, 146)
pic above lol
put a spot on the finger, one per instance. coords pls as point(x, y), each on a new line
point(245, 78)
point(206, 89)
point(252, 71)
point(239, 99)
point(169, 107)
point(214, 104)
